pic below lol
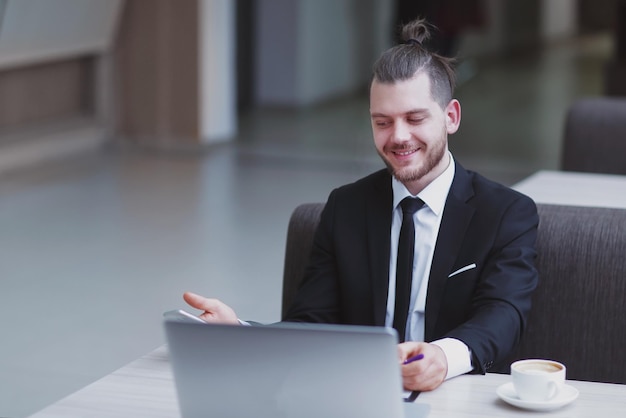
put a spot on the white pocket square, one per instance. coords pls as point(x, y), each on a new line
point(462, 269)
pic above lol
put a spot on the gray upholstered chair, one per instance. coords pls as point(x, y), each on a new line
point(579, 308)
point(578, 314)
point(595, 136)
point(300, 232)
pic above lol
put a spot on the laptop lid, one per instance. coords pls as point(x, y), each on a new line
point(287, 370)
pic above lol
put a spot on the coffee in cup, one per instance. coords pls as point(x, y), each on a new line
point(537, 379)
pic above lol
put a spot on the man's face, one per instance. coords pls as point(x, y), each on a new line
point(411, 130)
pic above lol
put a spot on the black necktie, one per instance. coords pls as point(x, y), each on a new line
point(404, 266)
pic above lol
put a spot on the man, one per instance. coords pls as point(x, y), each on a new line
point(472, 270)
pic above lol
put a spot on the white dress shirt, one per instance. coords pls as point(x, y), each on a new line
point(427, 220)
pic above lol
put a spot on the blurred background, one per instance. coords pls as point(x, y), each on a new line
point(149, 147)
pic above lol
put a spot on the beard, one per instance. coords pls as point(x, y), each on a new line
point(411, 173)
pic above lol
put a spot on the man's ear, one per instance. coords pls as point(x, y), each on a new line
point(453, 116)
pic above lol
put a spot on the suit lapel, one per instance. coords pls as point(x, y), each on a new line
point(456, 217)
point(379, 212)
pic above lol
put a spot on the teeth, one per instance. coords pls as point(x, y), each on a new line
point(405, 152)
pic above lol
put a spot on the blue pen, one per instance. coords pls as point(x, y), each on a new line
point(414, 358)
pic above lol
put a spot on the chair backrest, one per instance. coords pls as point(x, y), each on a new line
point(578, 308)
point(595, 136)
point(300, 232)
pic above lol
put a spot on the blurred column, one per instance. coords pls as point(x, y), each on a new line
point(218, 94)
point(175, 73)
point(156, 73)
point(615, 84)
point(558, 19)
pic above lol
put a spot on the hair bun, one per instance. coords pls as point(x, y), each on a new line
point(415, 32)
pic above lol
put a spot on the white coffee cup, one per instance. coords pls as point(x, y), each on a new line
point(537, 380)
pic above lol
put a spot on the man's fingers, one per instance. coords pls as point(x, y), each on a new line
point(202, 303)
point(214, 310)
point(428, 372)
point(410, 349)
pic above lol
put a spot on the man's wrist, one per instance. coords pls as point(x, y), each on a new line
point(457, 354)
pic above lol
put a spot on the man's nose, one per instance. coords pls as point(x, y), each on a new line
point(401, 132)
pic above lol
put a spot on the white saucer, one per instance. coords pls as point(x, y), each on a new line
point(507, 393)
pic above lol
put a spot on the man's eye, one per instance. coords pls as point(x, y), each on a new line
point(382, 124)
point(416, 120)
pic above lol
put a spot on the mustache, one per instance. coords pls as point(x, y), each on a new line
point(402, 147)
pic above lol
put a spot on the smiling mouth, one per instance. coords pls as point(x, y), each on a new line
point(404, 153)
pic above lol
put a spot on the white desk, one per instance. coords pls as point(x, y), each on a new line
point(575, 189)
point(145, 389)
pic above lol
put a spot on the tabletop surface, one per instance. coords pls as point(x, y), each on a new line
point(145, 388)
point(576, 189)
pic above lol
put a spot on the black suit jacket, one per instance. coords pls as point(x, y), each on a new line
point(483, 223)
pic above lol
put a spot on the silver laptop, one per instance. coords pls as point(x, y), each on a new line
point(287, 370)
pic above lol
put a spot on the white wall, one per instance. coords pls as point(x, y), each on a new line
point(277, 39)
point(314, 50)
point(340, 40)
point(41, 30)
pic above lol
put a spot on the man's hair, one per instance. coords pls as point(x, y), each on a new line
point(405, 60)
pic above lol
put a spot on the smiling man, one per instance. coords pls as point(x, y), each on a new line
point(411, 129)
point(438, 252)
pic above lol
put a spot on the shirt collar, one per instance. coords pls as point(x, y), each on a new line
point(434, 195)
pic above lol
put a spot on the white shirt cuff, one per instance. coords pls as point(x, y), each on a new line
point(243, 322)
point(458, 356)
